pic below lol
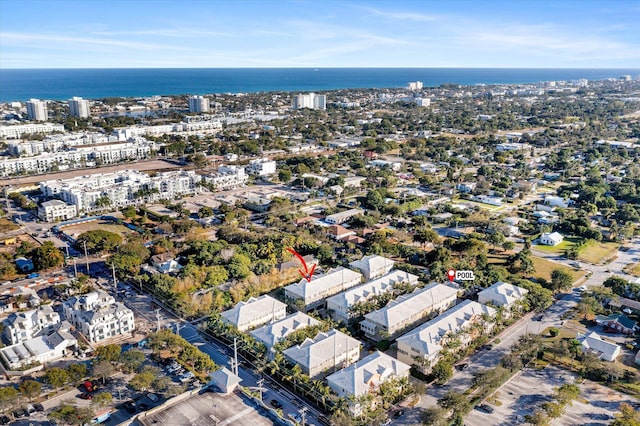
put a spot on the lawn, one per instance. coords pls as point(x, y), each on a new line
point(76, 230)
point(597, 252)
point(543, 269)
point(560, 248)
point(633, 269)
point(6, 225)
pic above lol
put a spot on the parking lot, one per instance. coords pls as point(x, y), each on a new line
point(207, 409)
point(528, 390)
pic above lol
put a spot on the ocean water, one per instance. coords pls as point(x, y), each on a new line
point(60, 84)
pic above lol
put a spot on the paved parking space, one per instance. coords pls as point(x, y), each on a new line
point(208, 409)
point(529, 389)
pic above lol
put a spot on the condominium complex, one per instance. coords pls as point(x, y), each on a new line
point(79, 107)
point(310, 100)
point(23, 326)
point(325, 353)
point(60, 142)
point(372, 266)
point(313, 294)
point(14, 132)
point(77, 157)
point(254, 313)
point(339, 306)
point(98, 316)
point(198, 104)
point(421, 347)
point(366, 375)
point(271, 334)
point(407, 310)
point(37, 110)
point(227, 177)
point(122, 188)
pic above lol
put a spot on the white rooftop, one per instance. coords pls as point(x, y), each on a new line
point(323, 283)
point(502, 293)
point(324, 346)
point(271, 334)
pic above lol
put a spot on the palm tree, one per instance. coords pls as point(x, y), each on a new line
point(575, 347)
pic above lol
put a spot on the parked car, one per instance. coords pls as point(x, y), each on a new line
point(30, 409)
point(85, 396)
point(295, 417)
point(130, 406)
point(398, 414)
point(20, 412)
point(462, 366)
point(4, 420)
point(486, 408)
point(275, 403)
point(187, 376)
point(38, 407)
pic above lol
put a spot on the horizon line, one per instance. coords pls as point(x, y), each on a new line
point(323, 68)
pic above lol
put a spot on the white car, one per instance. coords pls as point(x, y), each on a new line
point(187, 376)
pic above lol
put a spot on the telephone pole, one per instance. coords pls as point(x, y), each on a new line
point(260, 382)
point(303, 414)
point(158, 318)
point(86, 257)
point(113, 271)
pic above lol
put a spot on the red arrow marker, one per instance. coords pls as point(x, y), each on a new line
point(307, 274)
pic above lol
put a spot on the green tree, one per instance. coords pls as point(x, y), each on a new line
point(8, 397)
point(442, 371)
point(434, 416)
point(455, 401)
point(132, 360)
point(284, 175)
point(617, 285)
point(205, 211)
point(103, 369)
point(99, 240)
point(77, 370)
point(109, 352)
point(46, 256)
point(56, 377)
point(144, 379)
point(71, 415)
point(628, 416)
point(30, 389)
point(102, 399)
point(561, 279)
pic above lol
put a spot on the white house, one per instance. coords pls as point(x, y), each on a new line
point(98, 316)
point(551, 239)
point(40, 349)
point(367, 375)
point(340, 305)
point(407, 310)
point(271, 334)
point(312, 294)
point(422, 346)
point(501, 294)
point(325, 352)
point(254, 312)
point(373, 266)
point(338, 218)
point(592, 342)
point(23, 326)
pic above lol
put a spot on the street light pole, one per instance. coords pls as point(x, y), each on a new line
point(86, 257)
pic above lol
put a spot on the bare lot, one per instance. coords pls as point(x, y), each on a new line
point(105, 225)
point(527, 391)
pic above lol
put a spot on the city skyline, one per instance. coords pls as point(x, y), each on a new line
point(195, 34)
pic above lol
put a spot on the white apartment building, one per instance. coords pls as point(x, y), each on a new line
point(407, 311)
point(227, 177)
point(422, 102)
point(339, 306)
point(79, 107)
point(55, 143)
point(23, 326)
point(77, 157)
point(271, 334)
point(366, 375)
point(98, 316)
point(261, 167)
point(41, 349)
point(56, 211)
point(415, 85)
point(373, 266)
point(313, 294)
point(198, 104)
point(421, 347)
point(37, 110)
point(309, 100)
point(14, 132)
point(325, 353)
point(502, 294)
point(254, 313)
point(123, 188)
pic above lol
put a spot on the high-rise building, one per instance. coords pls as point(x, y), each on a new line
point(310, 100)
point(79, 107)
point(198, 104)
point(415, 85)
point(37, 110)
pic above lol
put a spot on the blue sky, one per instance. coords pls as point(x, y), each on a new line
point(319, 33)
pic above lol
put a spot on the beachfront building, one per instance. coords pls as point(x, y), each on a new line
point(79, 107)
point(421, 347)
point(339, 306)
point(37, 110)
point(254, 313)
point(198, 104)
point(310, 100)
point(407, 311)
point(271, 334)
point(327, 352)
point(312, 294)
